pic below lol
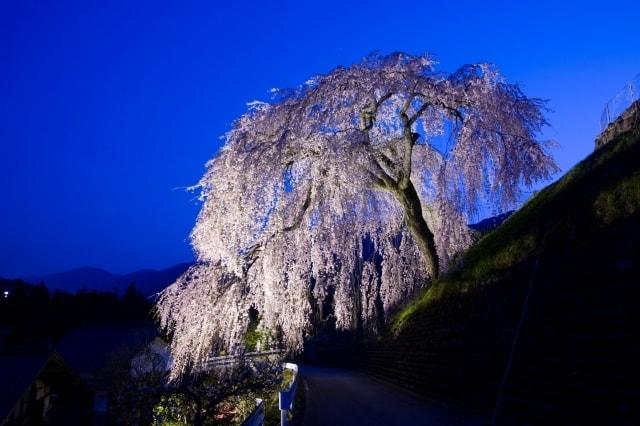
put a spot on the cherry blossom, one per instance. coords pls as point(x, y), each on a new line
point(352, 190)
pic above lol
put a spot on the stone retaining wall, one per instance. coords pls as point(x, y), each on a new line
point(629, 120)
point(576, 361)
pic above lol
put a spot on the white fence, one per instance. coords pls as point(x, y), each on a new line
point(620, 102)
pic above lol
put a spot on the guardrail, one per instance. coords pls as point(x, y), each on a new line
point(227, 360)
point(287, 396)
point(256, 418)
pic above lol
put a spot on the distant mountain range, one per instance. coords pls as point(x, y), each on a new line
point(151, 281)
point(147, 281)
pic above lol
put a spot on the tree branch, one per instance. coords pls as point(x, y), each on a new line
point(418, 113)
point(253, 251)
point(298, 220)
point(409, 139)
point(368, 117)
point(386, 161)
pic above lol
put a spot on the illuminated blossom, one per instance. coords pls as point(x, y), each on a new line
point(353, 189)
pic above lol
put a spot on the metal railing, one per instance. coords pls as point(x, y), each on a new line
point(228, 360)
point(287, 396)
point(620, 102)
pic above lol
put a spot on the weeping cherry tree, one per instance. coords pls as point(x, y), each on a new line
point(352, 190)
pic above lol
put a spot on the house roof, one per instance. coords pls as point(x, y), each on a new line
point(18, 369)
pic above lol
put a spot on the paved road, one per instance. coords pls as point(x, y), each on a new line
point(341, 397)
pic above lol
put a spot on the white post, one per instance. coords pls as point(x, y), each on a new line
point(287, 395)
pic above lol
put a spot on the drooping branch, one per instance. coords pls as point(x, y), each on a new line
point(252, 253)
point(322, 195)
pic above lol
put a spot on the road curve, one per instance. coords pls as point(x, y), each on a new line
point(337, 397)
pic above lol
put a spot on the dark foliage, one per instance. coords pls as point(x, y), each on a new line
point(217, 397)
point(32, 315)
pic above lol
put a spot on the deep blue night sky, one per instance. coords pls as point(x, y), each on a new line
point(108, 109)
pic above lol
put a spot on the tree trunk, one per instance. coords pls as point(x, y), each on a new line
point(420, 231)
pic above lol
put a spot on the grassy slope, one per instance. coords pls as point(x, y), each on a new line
point(601, 190)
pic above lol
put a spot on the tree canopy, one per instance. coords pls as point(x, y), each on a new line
point(345, 195)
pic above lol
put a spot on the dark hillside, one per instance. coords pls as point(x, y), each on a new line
point(573, 253)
